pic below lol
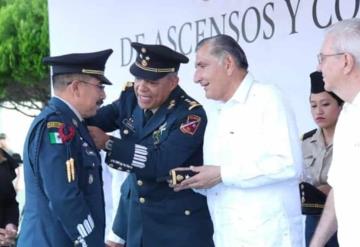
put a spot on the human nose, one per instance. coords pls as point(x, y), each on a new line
point(103, 94)
point(141, 85)
point(319, 110)
point(318, 67)
point(197, 76)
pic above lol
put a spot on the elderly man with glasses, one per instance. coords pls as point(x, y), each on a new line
point(64, 197)
point(339, 64)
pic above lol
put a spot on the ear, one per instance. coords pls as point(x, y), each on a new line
point(74, 88)
point(229, 64)
point(350, 63)
point(174, 81)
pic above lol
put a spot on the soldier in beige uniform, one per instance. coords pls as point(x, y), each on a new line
point(317, 150)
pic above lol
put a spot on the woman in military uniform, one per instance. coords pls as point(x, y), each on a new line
point(317, 148)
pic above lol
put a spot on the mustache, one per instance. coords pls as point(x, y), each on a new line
point(99, 102)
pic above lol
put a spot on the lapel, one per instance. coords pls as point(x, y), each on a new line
point(138, 115)
point(155, 121)
point(70, 117)
point(160, 115)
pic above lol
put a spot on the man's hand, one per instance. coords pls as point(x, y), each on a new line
point(207, 177)
point(113, 244)
point(99, 136)
point(8, 235)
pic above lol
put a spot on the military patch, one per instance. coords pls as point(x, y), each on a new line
point(55, 138)
point(53, 125)
point(191, 125)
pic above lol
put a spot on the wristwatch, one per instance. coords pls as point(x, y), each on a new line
point(108, 144)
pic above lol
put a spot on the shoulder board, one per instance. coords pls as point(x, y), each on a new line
point(192, 103)
point(308, 134)
point(128, 85)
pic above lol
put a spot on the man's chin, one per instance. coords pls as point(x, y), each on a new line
point(144, 106)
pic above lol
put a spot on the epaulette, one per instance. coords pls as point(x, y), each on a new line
point(128, 85)
point(192, 103)
point(308, 134)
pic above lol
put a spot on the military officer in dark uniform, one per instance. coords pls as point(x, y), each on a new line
point(317, 147)
point(62, 168)
point(161, 128)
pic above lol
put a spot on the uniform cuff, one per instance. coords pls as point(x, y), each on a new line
point(115, 238)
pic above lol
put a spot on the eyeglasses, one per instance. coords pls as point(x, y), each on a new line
point(321, 56)
point(100, 87)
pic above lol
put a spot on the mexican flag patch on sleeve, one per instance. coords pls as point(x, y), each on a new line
point(55, 138)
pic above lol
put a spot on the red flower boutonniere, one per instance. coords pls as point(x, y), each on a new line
point(66, 134)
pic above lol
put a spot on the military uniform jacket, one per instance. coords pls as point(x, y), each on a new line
point(62, 170)
point(317, 157)
point(150, 212)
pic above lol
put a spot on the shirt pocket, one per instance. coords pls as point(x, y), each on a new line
point(309, 161)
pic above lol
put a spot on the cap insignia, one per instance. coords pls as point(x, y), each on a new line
point(144, 63)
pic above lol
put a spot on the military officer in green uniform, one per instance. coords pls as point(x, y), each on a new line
point(161, 128)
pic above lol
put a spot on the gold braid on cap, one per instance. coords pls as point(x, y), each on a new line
point(92, 71)
point(156, 70)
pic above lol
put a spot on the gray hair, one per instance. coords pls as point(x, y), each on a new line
point(61, 81)
point(346, 37)
point(222, 45)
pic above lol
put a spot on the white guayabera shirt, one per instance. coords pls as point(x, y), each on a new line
point(344, 172)
point(254, 139)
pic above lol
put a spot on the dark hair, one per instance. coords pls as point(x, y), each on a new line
point(338, 100)
point(223, 44)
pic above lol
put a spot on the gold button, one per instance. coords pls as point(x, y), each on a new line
point(142, 200)
point(187, 212)
point(140, 183)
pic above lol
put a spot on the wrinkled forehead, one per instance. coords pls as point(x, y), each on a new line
point(328, 44)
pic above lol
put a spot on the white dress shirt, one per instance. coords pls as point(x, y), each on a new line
point(345, 171)
point(254, 139)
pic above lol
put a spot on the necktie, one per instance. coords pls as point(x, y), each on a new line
point(147, 115)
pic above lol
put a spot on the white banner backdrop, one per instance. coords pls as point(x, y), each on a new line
point(281, 37)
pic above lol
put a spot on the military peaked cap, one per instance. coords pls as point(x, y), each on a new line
point(155, 61)
point(317, 83)
point(318, 86)
point(92, 63)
